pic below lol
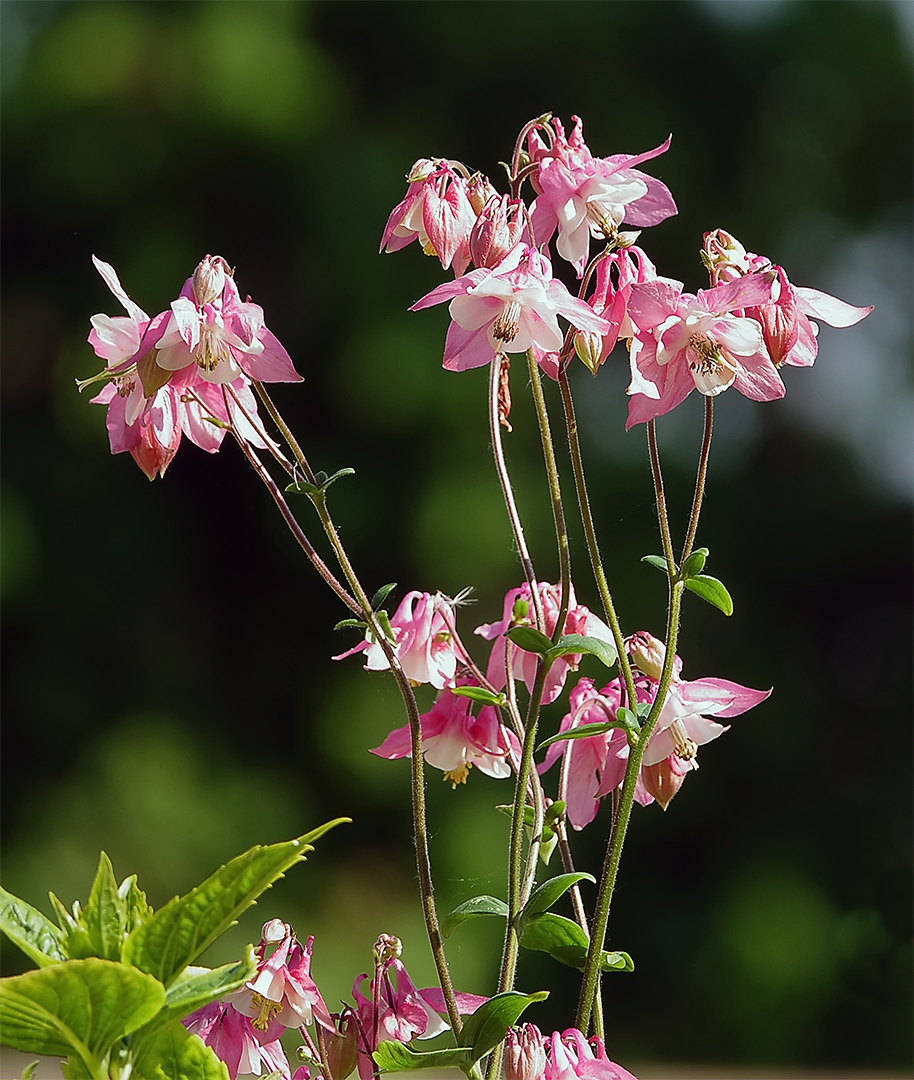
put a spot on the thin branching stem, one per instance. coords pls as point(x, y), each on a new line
point(700, 479)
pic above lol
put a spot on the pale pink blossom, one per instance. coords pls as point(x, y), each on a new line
point(579, 620)
point(497, 231)
point(426, 644)
point(525, 1053)
point(565, 1055)
point(234, 1040)
point(508, 309)
point(687, 342)
point(584, 196)
point(454, 740)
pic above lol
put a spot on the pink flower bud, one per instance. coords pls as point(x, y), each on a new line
point(589, 348)
point(525, 1055)
point(479, 192)
point(647, 653)
point(342, 1047)
point(665, 778)
point(274, 931)
point(780, 321)
point(497, 231)
point(209, 279)
point(422, 169)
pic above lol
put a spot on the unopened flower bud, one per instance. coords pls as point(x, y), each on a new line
point(520, 611)
point(665, 778)
point(209, 279)
point(274, 931)
point(386, 949)
point(342, 1047)
point(479, 192)
point(647, 653)
point(589, 347)
point(628, 238)
point(724, 256)
point(422, 170)
point(497, 230)
point(525, 1055)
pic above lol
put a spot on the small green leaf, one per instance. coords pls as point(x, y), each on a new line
point(578, 643)
point(138, 910)
point(486, 1028)
point(566, 942)
point(555, 811)
point(76, 944)
point(381, 595)
point(585, 731)
point(479, 693)
point(544, 896)
point(80, 1007)
point(179, 932)
point(529, 639)
point(471, 909)
point(711, 590)
point(40, 940)
point(328, 480)
point(694, 564)
point(358, 623)
point(28, 1072)
point(105, 913)
point(174, 1054)
point(397, 1057)
point(302, 487)
point(216, 422)
point(657, 561)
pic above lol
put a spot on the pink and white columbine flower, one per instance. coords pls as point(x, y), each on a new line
point(282, 991)
point(437, 211)
point(687, 342)
point(235, 1041)
point(584, 196)
point(454, 740)
point(509, 309)
point(210, 326)
point(566, 1055)
point(579, 620)
point(786, 320)
point(426, 644)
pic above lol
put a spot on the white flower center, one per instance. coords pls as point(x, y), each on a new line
point(212, 349)
point(507, 324)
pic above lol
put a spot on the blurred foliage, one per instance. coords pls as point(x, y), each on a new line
point(167, 688)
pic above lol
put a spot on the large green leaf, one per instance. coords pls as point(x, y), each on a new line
point(578, 643)
point(712, 591)
point(179, 932)
point(397, 1057)
point(544, 896)
point(174, 1054)
point(80, 1007)
point(566, 942)
point(486, 1028)
point(40, 940)
point(529, 639)
point(471, 909)
point(105, 913)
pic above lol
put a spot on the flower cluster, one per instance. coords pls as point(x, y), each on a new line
point(187, 371)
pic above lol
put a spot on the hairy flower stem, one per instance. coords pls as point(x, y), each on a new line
point(362, 606)
point(555, 491)
point(508, 492)
point(700, 479)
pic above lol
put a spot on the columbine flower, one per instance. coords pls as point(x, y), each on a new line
point(236, 1042)
point(525, 1054)
point(687, 342)
point(426, 644)
point(580, 620)
point(454, 740)
point(508, 309)
point(571, 1055)
point(282, 991)
point(497, 231)
point(584, 196)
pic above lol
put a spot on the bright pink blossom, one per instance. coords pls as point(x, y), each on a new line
point(579, 620)
point(566, 1055)
point(687, 342)
point(426, 645)
point(235, 1041)
point(510, 308)
point(454, 740)
point(584, 196)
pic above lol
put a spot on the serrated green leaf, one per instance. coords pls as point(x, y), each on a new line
point(179, 932)
point(486, 1028)
point(566, 942)
point(529, 639)
point(173, 1053)
point(105, 913)
point(544, 896)
point(397, 1057)
point(479, 693)
point(40, 940)
point(694, 564)
point(712, 591)
point(138, 909)
point(80, 1007)
point(584, 731)
point(657, 561)
point(578, 643)
point(76, 942)
point(471, 909)
point(381, 595)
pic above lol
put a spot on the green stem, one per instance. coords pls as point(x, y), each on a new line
point(700, 479)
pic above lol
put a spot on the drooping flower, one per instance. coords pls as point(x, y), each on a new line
point(579, 620)
point(235, 1041)
point(508, 309)
point(687, 342)
point(584, 196)
point(571, 1056)
point(454, 740)
point(497, 231)
point(525, 1054)
point(426, 643)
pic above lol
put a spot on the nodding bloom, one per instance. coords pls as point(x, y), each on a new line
point(437, 211)
point(584, 196)
point(518, 612)
point(426, 642)
point(786, 320)
point(454, 740)
point(687, 342)
point(509, 309)
point(562, 1055)
point(235, 1040)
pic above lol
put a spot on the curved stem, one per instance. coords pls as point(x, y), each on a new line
point(700, 479)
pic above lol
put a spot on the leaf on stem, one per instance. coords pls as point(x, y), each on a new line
point(578, 643)
point(486, 1028)
point(40, 940)
point(544, 896)
point(470, 909)
point(381, 595)
point(302, 487)
point(105, 913)
point(529, 639)
point(585, 731)
point(712, 591)
point(566, 942)
point(174, 1052)
point(694, 564)
point(659, 562)
point(398, 1057)
point(479, 693)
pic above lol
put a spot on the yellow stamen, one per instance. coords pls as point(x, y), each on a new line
point(458, 775)
point(268, 1011)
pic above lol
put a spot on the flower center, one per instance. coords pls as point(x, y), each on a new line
point(268, 1010)
point(705, 358)
point(507, 324)
point(211, 349)
point(684, 747)
point(458, 775)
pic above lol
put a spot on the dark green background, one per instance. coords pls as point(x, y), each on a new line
point(167, 690)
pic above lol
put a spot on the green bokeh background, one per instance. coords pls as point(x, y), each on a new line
point(167, 690)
